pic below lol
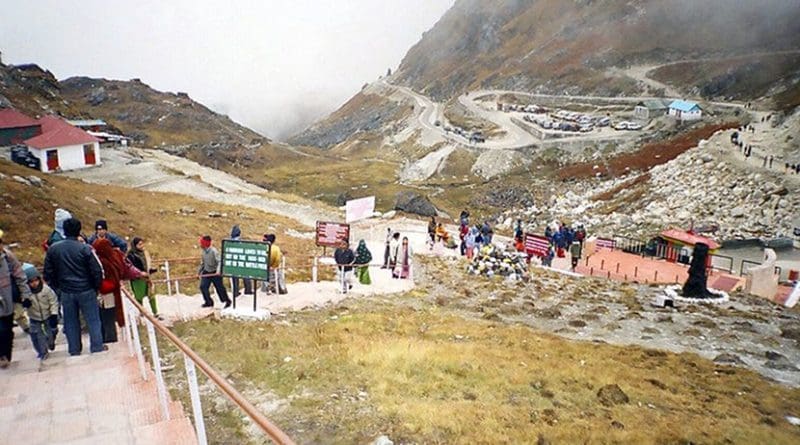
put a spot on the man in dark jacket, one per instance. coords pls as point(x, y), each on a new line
point(345, 257)
point(101, 231)
point(12, 281)
point(72, 269)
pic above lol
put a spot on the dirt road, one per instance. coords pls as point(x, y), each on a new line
point(155, 170)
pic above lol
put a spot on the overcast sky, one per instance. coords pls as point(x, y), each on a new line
point(274, 66)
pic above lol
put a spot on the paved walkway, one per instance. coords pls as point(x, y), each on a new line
point(89, 399)
point(622, 266)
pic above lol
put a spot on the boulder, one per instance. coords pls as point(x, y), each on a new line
point(35, 181)
point(738, 212)
point(411, 202)
point(611, 395)
point(21, 180)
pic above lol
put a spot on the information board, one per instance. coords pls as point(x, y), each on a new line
point(245, 259)
point(331, 234)
point(536, 245)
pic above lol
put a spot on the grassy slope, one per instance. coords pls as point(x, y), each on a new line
point(426, 375)
point(27, 218)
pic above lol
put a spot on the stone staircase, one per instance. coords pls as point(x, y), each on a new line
point(88, 399)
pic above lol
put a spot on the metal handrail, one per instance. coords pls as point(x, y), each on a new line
point(268, 427)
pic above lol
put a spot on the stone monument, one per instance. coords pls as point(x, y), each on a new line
point(696, 285)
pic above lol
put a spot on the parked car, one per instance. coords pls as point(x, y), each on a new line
point(603, 122)
point(621, 125)
point(634, 126)
point(22, 156)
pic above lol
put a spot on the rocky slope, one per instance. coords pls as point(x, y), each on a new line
point(154, 118)
point(556, 46)
point(34, 91)
point(712, 184)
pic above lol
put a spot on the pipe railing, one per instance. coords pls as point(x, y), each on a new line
point(135, 311)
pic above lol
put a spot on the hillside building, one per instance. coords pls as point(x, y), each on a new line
point(15, 127)
point(685, 110)
point(651, 108)
point(62, 146)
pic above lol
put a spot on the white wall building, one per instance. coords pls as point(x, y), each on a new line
point(63, 147)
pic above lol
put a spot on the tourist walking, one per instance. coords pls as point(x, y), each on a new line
point(344, 258)
point(209, 273)
point(363, 258)
point(236, 235)
point(13, 283)
point(394, 246)
point(487, 233)
point(471, 242)
point(575, 251)
point(73, 271)
point(42, 308)
point(432, 231)
point(140, 259)
point(57, 235)
point(101, 232)
point(110, 295)
point(402, 269)
point(387, 249)
point(276, 265)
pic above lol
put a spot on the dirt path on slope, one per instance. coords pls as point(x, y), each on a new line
point(155, 170)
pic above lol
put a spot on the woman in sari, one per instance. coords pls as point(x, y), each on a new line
point(403, 266)
point(363, 258)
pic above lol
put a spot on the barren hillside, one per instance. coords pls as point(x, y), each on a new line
point(557, 46)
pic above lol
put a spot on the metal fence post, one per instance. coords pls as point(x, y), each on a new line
point(137, 343)
point(194, 392)
point(162, 390)
point(314, 270)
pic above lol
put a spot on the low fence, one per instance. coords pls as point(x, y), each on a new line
point(134, 313)
point(718, 262)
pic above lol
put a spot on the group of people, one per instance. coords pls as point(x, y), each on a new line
point(81, 284)
point(747, 151)
point(210, 270)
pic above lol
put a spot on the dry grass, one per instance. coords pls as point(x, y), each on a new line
point(429, 377)
point(27, 219)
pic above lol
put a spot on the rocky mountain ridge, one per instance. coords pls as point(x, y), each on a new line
point(152, 118)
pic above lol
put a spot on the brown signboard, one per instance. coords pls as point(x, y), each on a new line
point(331, 234)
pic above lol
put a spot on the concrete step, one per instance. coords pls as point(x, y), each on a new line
point(92, 398)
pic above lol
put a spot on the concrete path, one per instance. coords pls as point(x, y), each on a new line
point(89, 399)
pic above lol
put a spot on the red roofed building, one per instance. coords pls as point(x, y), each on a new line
point(680, 245)
point(15, 127)
point(62, 146)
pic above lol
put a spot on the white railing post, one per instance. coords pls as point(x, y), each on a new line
point(162, 390)
point(194, 392)
point(166, 271)
point(177, 287)
point(137, 343)
point(128, 326)
point(314, 270)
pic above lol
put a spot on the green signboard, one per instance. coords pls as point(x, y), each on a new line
point(245, 259)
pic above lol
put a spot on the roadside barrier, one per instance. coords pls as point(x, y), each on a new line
point(134, 313)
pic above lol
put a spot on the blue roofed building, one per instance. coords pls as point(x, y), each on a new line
point(685, 110)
